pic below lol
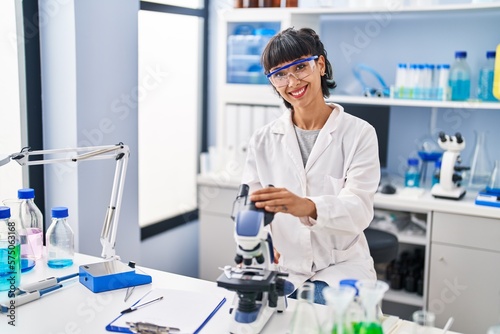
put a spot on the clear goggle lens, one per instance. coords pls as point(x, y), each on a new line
point(300, 69)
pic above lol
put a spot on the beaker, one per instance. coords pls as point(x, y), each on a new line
point(429, 152)
point(337, 300)
point(371, 293)
point(480, 168)
point(304, 320)
point(423, 322)
point(494, 182)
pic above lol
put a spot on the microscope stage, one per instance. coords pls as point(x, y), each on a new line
point(247, 280)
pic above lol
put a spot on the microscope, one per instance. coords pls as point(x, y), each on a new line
point(259, 289)
point(449, 179)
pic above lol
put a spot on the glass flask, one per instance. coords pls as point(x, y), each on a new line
point(480, 167)
point(304, 320)
point(494, 183)
point(371, 294)
point(412, 174)
point(338, 299)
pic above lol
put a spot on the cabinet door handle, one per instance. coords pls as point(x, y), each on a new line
point(441, 259)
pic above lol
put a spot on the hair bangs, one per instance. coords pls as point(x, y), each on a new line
point(283, 49)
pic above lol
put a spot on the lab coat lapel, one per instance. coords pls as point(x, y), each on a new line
point(324, 138)
point(290, 144)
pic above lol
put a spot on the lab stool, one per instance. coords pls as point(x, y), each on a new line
point(383, 245)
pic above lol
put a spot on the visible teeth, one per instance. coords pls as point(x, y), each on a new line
point(298, 92)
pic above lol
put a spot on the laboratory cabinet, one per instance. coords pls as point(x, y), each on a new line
point(217, 247)
point(465, 271)
point(413, 236)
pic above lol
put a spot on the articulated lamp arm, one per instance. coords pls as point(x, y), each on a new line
point(119, 152)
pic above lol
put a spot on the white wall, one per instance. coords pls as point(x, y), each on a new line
point(89, 62)
point(10, 111)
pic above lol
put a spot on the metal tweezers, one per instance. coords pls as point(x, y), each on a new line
point(148, 328)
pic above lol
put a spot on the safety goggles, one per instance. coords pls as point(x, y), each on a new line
point(300, 69)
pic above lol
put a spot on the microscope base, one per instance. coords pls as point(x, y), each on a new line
point(254, 327)
point(456, 194)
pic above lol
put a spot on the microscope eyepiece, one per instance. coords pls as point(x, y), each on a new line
point(243, 191)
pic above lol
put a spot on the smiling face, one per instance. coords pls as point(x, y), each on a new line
point(300, 83)
point(288, 51)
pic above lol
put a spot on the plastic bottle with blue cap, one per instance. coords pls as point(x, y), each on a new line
point(460, 77)
point(485, 84)
point(60, 240)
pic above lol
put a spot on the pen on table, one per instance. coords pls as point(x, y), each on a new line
point(133, 308)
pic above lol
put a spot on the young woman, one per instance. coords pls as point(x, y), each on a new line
point(323, 164)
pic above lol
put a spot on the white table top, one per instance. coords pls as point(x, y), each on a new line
point(75, 309)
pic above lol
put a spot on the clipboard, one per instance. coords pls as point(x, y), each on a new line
point(187, 310)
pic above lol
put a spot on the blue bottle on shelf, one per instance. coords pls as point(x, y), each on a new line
point(60, 240)
point(485, 84)
point(10, 252)
point(460, 77)
point(412, 175)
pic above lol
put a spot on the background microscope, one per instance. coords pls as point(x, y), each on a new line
point(450, 178)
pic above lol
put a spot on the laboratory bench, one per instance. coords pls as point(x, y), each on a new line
point(460, 244)
point(76, 309)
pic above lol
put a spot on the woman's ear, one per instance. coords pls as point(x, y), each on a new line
point(321, 65)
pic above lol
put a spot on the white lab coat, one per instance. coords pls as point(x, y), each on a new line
point(341, 177)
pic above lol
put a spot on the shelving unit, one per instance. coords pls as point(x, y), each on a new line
point(263, 94)
point(390, 102)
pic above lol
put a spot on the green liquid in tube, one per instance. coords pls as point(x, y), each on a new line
point(370, 328)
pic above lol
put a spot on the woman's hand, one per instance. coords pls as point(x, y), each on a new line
point(276, 256)
point(281, 200)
